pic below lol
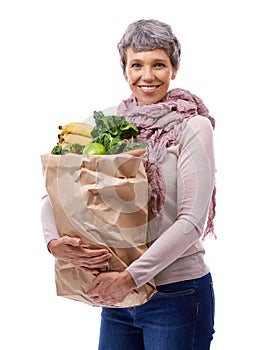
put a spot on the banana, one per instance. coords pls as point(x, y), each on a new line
point(73, 138)
point(76, 128)
point(74, 134)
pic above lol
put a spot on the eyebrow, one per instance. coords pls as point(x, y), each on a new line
point(159, 60)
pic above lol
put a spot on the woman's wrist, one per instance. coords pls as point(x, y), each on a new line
point(128, 280)
point(51, 245)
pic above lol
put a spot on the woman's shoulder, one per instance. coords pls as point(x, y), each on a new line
point(199, 124)
point(200, 121)
point(198, 127)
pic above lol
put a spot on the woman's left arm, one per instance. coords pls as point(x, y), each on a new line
point(195, 185)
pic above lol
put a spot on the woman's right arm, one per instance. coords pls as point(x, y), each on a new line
point(48, 222)
point(68, 248)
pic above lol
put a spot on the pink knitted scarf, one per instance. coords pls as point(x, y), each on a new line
point(161, 125)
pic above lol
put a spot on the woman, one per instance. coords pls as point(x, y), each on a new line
point(179, 161)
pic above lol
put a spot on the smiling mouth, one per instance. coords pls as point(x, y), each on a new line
point(148, 88)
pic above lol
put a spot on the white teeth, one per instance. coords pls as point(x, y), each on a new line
point(148, 87)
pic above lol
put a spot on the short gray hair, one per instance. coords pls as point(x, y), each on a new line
point(151, 34)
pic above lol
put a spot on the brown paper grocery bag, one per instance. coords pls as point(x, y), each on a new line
point(103, 200)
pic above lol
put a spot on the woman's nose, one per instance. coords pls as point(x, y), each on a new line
point(147, 74)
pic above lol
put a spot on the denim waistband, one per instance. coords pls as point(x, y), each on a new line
point(192, 283)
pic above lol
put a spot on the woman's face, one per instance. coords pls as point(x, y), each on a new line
point(148, 74)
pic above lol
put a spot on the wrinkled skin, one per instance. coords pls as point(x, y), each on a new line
point(71, 250)
point(110, 288)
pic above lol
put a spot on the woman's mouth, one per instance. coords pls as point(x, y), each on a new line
point(148, 87)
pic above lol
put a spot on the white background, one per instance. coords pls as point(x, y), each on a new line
point(59, 63)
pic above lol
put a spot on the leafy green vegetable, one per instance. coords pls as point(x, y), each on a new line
point(75, 148)
point(115, 133)
point(134, 145)
point(114, 125)
point(125, 146)
point(56, 150)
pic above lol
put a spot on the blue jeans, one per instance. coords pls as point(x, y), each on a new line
point(179, 317)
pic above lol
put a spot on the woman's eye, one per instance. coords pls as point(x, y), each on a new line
point(136, 65)
point(159, 64)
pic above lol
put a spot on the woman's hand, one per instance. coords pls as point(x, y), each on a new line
point(71, 250)
point(110, 288)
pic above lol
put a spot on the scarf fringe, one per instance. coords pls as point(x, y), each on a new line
point(155, 179)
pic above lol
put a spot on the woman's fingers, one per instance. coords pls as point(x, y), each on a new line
point(71, 250)
point(74, 241)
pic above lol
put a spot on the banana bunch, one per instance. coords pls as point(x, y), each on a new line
point(75, 133)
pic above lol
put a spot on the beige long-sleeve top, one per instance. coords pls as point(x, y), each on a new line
point(177, 254)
